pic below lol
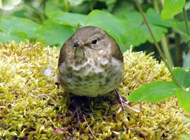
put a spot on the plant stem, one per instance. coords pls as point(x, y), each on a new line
point(165, 48)
point(67, 5)
point(156, 7)
point(164, 40)
point(186, 20)
point(186, 24)
point(178, 50)
point(157, 46)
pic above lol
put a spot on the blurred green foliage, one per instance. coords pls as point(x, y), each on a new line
point(54, 21)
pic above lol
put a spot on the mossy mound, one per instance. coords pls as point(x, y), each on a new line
point(32, 107)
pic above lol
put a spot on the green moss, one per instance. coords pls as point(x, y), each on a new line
point(32, 107)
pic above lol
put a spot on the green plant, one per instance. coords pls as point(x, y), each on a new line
point(180, 84)
point(56, 19)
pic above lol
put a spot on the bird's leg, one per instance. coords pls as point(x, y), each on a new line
point(77, 108)
point(123, 103)
point(77, 105)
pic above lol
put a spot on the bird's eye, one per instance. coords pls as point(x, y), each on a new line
point(94, 41)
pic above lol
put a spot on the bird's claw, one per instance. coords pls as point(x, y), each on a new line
point(124, 104)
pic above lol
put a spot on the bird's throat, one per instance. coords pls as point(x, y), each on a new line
point(79, 56)
point(79, 53)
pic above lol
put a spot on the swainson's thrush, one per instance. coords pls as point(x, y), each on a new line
point(90, 63)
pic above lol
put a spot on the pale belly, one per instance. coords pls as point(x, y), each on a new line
point(92, 81)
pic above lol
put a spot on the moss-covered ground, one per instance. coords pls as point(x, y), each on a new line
point(32, 107)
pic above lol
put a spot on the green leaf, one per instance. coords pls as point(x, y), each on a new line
point(185, 137)
point(52, 6)
point(54, 34)
point(136, 30)
point(17, 36)
point(183, 98)
point(156, 24)
point(123, 6)
point(182, 76)
point(132, 21)
point(154, 92)
point(109, 23)
point(21, 13)
point(10, 23)
point(22, 35)
point(180, 28)
point(65, 18)
point(154, 18)
point(157, 31)
point(171, 8)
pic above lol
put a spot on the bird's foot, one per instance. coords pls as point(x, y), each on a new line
point(124, 104)
point(78, 112)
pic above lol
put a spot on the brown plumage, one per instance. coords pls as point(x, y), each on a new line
point(90, 63)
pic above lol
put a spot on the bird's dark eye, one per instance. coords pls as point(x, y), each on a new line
point(94, 41)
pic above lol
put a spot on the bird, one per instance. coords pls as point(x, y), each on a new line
point(91, 64)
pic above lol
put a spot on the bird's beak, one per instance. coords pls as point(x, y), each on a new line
point(77, 44)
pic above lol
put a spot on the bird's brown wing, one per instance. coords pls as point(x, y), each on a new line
point(64, 50)
point(62, 55)
point(115, 51)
